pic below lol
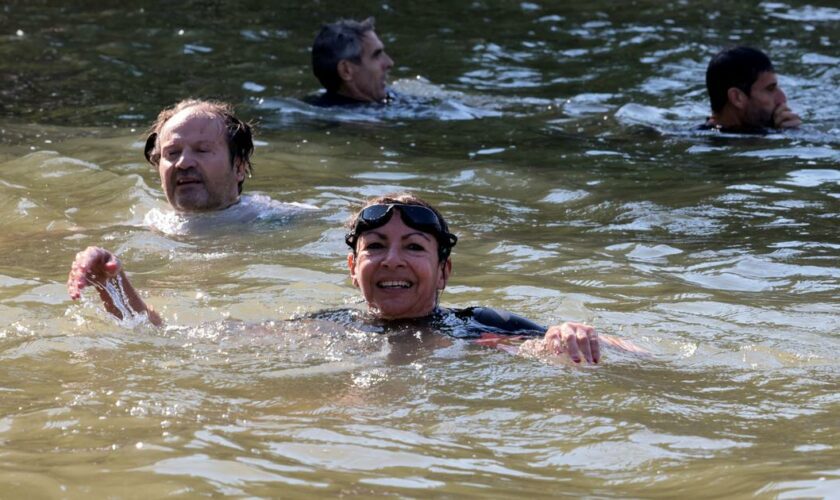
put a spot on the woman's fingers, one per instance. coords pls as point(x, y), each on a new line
point(76, 280)
point(112, 266)
point(582, 336)
point(595, 346)
point(92, 265)
point(572, 341)
point(578, 340)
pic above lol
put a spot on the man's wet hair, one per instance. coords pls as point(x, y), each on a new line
point(336, 41)
point(239, 134)
point(737, 67)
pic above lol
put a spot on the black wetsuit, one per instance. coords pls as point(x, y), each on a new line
point(480, 320)
point(330, 99)
point(709, 125)
point(470, 322)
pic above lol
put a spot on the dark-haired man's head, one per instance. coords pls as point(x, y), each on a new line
point(350, 60)
point(745, 93)
point(202, 153)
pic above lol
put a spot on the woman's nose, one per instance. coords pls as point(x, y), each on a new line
point(393, 256)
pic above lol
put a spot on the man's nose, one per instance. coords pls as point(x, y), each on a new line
point(781, 98)
point(389, 63)
point(185, 160)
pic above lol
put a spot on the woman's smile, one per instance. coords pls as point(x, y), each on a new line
point(398, 270)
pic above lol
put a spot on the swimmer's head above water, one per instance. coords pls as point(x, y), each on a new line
point(350, 61)
point(414, 211)
point(400, 264)
point(745, 94)
point(202, 152)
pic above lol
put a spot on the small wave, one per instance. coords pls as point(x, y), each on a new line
point(561, 196)
point(412, 100)
point(807, 13)
point(418, 99)
point(250, 209)
point(804, 153)
point(812, 177)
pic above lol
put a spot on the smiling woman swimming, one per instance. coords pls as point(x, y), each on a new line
point(400, 261)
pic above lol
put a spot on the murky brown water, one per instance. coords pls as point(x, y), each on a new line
point(557, 139)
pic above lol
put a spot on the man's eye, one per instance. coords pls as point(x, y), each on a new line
point(173, 153)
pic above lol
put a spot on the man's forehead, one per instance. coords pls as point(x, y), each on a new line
point(371, 42)
point(766, 78)
point(195, 120)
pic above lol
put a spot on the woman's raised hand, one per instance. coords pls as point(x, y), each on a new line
point(93, 266)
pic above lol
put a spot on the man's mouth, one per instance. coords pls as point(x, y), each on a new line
point(186, 181)
point(395, 284)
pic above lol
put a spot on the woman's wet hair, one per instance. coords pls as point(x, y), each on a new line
point(336, 41)
point(737, 67)
point(238, 134)
point(404, 199)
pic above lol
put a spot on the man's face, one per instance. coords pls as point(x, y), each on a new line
point(195, 168)
point(765, 96)
point(369, 76)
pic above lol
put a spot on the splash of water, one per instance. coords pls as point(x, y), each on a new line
point(116, 291)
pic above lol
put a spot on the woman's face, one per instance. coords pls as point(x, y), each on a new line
point(396, 267)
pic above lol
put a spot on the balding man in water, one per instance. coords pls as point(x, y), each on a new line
point(745, 94)
point(350, 62)
point(202, 153)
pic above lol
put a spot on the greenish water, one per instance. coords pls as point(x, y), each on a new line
point(557, 137)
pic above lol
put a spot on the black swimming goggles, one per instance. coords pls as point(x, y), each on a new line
point(415, 216)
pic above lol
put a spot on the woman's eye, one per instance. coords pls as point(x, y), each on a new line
point(374, 246)
point(416, 247)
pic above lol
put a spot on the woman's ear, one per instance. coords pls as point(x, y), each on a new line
point(351, 265)
point(445, 271)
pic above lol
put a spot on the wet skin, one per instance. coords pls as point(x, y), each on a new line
point(397, 270)
point(767, 104)
point(195, 168)
point(365, 81)
point(97, 267)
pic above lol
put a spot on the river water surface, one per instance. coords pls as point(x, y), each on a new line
point(558, 139)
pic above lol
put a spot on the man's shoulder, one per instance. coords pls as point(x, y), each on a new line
point(710, 124)
point(251, 208)
point(331, 99)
